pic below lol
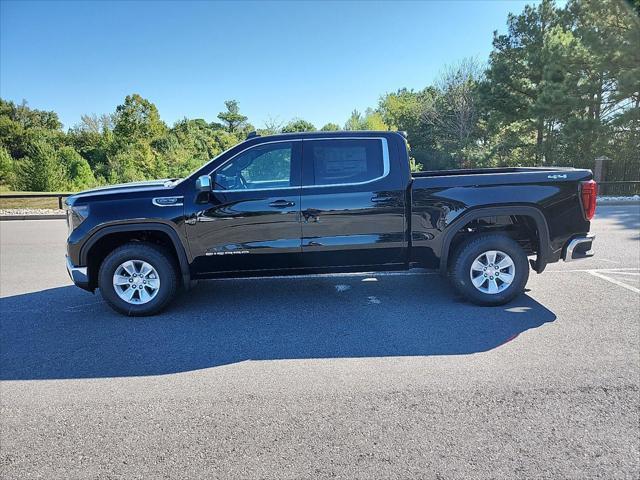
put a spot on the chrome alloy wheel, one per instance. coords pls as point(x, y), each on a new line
point(492, 272)
point(136, 282)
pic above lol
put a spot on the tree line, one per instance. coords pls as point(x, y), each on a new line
point(560, 87)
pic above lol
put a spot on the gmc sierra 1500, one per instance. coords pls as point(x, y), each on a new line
point(326, 202)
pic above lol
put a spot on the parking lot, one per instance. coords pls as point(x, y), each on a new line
point(336, 376)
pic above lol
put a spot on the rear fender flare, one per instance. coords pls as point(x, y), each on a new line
point(544, 250)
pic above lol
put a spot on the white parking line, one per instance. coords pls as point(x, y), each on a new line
point(607, 260)
point(75, 307)
point(613, 280)
point(587, 270)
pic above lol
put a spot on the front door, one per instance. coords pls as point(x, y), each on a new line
point(251, 220)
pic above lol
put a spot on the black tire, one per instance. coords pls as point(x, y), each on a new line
point(158, 258)
point(475, 246)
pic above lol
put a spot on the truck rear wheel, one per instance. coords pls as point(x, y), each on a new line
point(490, 269)
point(138, 279)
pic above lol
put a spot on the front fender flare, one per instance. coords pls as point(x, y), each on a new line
point(133, 227)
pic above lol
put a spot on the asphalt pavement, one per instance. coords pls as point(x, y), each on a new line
point(337, 376)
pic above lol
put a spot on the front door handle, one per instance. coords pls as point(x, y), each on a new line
point(282, 204)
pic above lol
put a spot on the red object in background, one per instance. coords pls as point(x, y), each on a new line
point(588, 193)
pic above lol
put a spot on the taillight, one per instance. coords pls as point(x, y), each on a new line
point(588, 193)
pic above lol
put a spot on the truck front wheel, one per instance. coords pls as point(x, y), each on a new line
point(137, 279)
point(490, 269)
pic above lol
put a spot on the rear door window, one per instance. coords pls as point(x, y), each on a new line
point(344, 161)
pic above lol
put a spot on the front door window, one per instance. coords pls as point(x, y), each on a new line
point(265, 167)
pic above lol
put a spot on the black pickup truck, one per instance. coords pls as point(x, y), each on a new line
point(326, 202)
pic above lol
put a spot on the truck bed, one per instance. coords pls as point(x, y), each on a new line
point(488, 171)
point(498, 176)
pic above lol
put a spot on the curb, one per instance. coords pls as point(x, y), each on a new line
point(32, 217)
point(618, 203)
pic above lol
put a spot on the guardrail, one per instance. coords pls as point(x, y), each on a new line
point(58, 195)
point(621, 188)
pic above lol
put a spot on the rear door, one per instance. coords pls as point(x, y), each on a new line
point(251, 220)
point(352, 204)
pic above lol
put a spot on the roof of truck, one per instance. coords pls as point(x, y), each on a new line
point(333, 133)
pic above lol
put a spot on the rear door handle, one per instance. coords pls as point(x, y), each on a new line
point(381, 199)
point(282, 204)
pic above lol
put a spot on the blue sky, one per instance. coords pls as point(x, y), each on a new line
point(314, 60)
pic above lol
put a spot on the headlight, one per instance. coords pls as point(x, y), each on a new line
point(76, 215)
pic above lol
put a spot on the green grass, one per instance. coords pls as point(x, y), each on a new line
point(26, 202)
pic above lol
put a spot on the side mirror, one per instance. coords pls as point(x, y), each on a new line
point(203, 183)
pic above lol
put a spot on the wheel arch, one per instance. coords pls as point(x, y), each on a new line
point(175, 243)
point(534, 213)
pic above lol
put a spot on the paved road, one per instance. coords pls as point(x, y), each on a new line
point(347, 376)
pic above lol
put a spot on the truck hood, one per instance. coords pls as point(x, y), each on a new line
point(132, 187)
